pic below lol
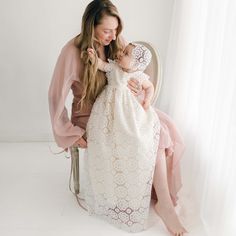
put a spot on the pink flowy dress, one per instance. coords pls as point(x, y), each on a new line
point(66, 77)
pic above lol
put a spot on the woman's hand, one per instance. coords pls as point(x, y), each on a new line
point(134, 86)
point(81, 143)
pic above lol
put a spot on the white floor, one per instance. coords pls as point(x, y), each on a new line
point(35, 198)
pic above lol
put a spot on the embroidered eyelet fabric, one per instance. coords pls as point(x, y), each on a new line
point(120, 159)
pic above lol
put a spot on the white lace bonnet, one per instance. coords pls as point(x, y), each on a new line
point(142, 56)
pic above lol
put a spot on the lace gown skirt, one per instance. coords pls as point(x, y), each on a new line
point(120, 159)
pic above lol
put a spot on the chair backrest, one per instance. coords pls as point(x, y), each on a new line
point(154, 69)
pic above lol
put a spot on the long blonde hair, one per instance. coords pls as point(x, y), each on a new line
point(93, 80)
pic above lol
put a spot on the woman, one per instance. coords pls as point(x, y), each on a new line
point(101, 28)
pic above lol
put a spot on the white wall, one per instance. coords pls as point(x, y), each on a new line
point(32, 34)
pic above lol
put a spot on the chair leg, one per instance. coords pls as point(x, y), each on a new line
point(75, 172)
point(75, 168)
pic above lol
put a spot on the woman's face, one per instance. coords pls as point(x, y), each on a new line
point(107, 30)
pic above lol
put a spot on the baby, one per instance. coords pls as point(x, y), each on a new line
point(131, 61)
point(123, 138)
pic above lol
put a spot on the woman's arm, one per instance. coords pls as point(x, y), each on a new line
point(149, 91)
point(65, 73)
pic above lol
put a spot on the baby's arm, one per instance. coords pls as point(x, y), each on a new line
point(102, 65)
point(149, 91)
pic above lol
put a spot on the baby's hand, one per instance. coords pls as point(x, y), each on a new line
point(91, 54)
point(146, 104)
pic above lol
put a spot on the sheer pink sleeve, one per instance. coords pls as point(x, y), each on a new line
point(66, 71)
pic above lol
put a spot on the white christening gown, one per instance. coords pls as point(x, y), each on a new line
point(120, 159)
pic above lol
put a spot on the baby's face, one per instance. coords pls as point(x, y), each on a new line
point(126, 60)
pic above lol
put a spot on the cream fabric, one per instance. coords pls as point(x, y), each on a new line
point(121, 155)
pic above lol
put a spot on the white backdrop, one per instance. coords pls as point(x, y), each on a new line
point(32, 35)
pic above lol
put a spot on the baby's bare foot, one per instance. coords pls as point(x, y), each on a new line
point(170, 219)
